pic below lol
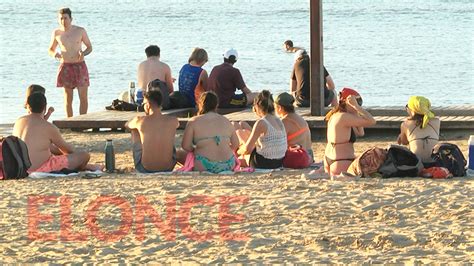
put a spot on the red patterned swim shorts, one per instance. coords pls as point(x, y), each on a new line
point(73, 75)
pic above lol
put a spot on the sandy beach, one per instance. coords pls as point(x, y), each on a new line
point(285, 217)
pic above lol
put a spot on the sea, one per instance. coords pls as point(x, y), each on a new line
point(386, 49)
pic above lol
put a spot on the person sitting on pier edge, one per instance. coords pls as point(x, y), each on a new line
point(420, 131)
point(39, 135)
point(300, 82)
point(264, 145)
point(153, 137)
point(297, 129)
point(211, 137)
point(152, 68)
point(345, 122)
point(193, 78)
point(225, 79)
point(288, 46)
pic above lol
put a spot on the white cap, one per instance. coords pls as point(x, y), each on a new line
point(230, 52)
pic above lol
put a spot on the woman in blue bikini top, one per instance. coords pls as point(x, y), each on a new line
point(211, 137)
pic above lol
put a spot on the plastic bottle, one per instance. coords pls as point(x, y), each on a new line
point(470, 156)
point(139, 96)
point(131, 92)
point(109, 156)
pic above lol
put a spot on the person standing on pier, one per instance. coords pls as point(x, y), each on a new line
point(72, 72)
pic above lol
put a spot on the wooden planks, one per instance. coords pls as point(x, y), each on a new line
point(454, 117)
point(110, 119)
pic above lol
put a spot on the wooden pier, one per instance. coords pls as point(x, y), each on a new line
point(388, 117)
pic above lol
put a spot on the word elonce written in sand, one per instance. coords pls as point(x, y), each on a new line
point(175, 218)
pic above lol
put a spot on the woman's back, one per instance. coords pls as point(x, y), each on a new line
point(188, 81)
point(297, 131)
point(422, 140)
point(212, 135)
point(272, 144)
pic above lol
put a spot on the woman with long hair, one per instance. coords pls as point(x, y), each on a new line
point(263, 145)
point(346, 122)
point(420, 130)
point(211, 137)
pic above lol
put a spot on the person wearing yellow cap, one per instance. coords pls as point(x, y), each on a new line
point(420, 131)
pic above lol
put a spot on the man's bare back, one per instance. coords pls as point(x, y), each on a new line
point(157, 134)
point(152, 69)
point(38, 134)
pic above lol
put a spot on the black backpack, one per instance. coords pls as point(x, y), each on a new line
point(400, 162)
point(449, 156)
point(14, 158)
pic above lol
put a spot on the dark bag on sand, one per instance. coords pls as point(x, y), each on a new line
point(178, 100)
point(449, 156)
point(400, 162)
point(119, 105)
point(14, 158)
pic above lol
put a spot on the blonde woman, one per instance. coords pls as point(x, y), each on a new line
point(192, 77)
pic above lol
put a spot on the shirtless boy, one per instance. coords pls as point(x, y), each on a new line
point(72, 72)
point(39, 135)
point(152, 68)
point(153, 136)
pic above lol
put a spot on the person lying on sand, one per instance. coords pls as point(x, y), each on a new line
point(345, 123)
point(153, 137)
point(39, 134)
point(264, 145)
point(420, 131)
point(211, 137)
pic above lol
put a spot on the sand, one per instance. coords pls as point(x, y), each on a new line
point(285, 218)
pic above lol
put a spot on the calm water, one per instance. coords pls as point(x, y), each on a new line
point(388, 50)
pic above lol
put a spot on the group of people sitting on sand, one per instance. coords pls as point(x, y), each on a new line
point(215, 144)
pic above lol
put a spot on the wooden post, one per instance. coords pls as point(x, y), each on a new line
point(316, 43)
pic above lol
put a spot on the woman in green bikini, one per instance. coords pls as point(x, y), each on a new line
point(211, 137)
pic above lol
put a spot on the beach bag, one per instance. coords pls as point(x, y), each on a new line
point(368, 163)
point(449, 156)
point(165, 93)
point(436, 173)
point(119, 105)
point(14, 158)
point(178, 101)
point(400, 162)
point(296, 157)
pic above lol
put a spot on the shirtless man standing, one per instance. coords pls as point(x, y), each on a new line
point(39, 135)
point(153, 137)
point(152, 68)
point(72, 71)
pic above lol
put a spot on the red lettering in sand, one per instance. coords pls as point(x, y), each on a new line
point(167, 226)
point(35, 217)
point(126, 220)
point(143, 209)
point(185, 217)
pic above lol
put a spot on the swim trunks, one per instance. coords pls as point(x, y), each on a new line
point(73, 75)
point(137, 159)
point(53, 164)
